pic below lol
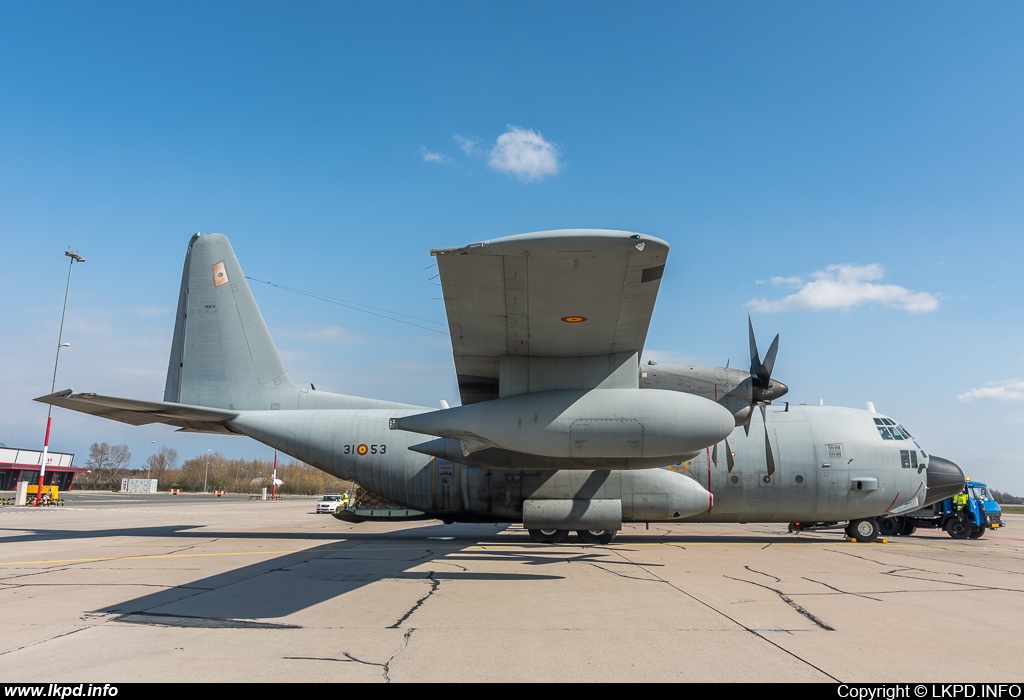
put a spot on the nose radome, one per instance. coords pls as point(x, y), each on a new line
point(945, 479)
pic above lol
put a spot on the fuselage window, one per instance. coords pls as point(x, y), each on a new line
point(905, 458)
point(913, 459)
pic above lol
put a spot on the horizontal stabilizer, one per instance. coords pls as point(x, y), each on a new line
point(192, 419)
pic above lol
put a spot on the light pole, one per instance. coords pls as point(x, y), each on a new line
point(74, 257)
point(207, 477)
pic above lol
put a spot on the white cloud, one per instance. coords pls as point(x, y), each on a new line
point(844, 287)
point(1008, 390)
point(433, 157)
point(468, 145)
point(525, 154)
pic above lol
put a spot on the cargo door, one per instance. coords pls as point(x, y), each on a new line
point(832, 480)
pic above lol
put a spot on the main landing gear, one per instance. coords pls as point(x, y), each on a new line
point(585, 536)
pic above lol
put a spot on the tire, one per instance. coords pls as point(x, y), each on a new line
point(957, 529)
point(977, 533)
point(908, 529)
point(595, 536)
point(890, 527)
point(548, 536)
point(864, 530)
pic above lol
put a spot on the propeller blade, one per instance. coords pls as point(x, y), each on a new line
point(761, 372)
point(769, 457)
point(714, 454)
point(769, 360)
point(755, 359)
point(729, 461)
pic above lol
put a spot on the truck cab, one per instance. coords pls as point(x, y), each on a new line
point(984, 512)
point(980, 513)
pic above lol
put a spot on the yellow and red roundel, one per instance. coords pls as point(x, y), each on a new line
point(362, 449)
point(574, 319)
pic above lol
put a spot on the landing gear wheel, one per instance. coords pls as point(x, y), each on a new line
point(865, 530)
point(548, 536)
point(977, 533)
point(908, 529)
point(957, 530)
point(890, 527)
point(595, 536)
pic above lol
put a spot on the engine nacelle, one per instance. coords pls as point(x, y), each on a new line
point(495, 458)
point(731, 388)
point(599, 423)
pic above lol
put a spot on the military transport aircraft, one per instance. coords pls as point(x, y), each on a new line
point(559, 428)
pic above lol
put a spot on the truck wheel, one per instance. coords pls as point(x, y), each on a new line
point(890, 527)
point(908, 529)
point(957, 530)
point(865, 530)
point(977, 533)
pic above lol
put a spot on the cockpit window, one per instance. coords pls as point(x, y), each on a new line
point(889, 430)
point(978, 492)
point(908, 459)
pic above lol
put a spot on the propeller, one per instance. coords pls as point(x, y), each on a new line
point(761, 372)
point(763, 390)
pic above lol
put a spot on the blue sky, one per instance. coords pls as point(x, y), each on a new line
point(850, 174)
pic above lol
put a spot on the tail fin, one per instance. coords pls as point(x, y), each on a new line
point(222, 355)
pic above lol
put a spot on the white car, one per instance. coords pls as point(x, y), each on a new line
point(329, 503)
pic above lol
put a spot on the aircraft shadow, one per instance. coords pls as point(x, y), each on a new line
point(256, 594)
point(286, 584)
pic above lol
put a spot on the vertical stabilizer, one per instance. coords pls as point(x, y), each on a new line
point(222, 354)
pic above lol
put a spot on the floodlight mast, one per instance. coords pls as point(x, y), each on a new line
point(73, 258)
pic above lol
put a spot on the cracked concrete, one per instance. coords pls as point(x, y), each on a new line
point(267, 591)
point(434, 585)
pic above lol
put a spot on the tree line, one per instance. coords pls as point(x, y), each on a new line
point(109, 464)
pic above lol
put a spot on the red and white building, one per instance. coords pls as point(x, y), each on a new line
point(23, 465)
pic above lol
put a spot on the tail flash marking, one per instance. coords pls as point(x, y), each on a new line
point(220, 275)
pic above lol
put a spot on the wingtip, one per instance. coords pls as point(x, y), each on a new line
point(55, 395)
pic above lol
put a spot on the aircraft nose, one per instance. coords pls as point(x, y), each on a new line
point(945, 479)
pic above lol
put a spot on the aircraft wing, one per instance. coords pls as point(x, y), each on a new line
point(579, 293)
point(193, 419)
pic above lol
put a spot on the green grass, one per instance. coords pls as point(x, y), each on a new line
point(1016, 510)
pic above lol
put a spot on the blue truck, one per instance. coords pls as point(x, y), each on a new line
point(980, 514)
